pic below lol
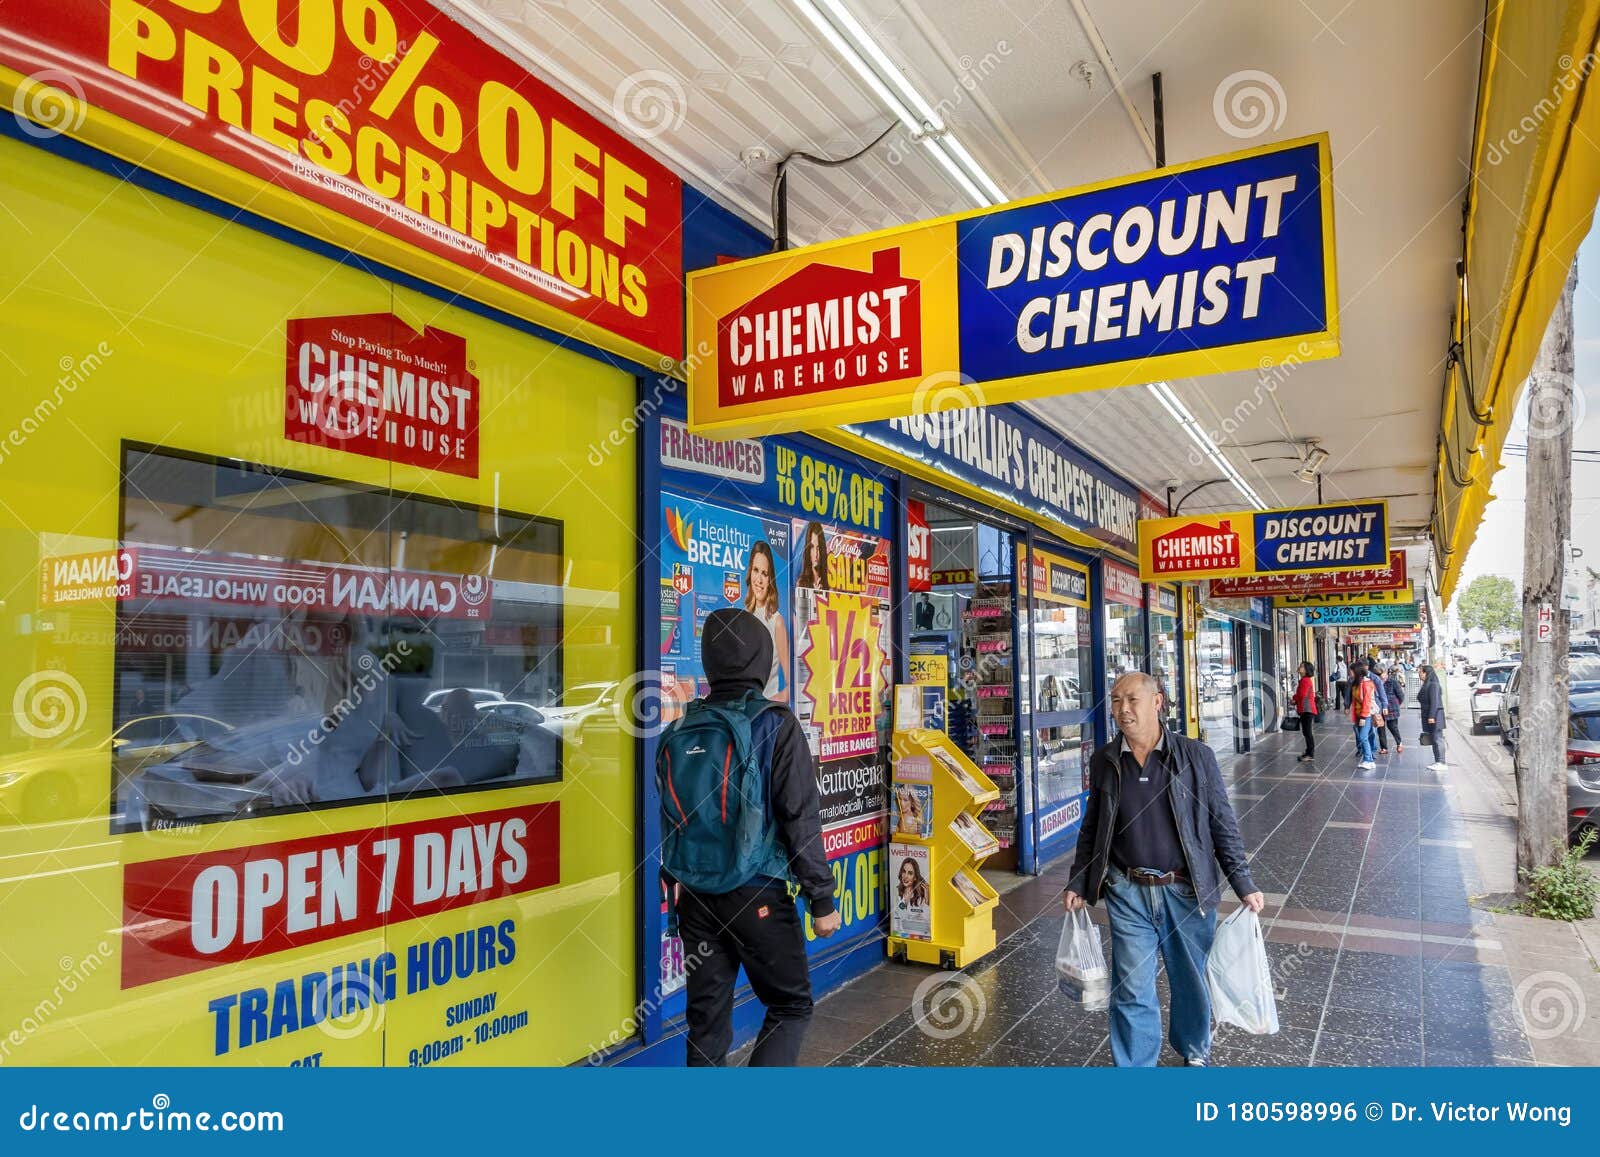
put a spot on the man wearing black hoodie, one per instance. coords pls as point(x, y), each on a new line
point(757, 925)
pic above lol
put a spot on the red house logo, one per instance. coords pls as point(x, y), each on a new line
point(1195, 547)
point(822, 329)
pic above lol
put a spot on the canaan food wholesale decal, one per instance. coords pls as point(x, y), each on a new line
point(392, 116)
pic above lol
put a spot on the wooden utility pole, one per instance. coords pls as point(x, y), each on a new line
point(1547, 525)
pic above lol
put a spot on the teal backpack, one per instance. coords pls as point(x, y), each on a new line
point(717, 829)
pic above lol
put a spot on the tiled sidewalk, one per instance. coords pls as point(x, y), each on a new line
point(1379, 958)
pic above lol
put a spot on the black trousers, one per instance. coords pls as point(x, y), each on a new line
point(1342, 694)
point(1393, 726)
point(758, 927)
point(1307, 723)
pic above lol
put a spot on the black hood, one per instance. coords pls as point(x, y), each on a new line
point(736, 650)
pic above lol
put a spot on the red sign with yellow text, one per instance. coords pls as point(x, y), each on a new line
point(387, 114)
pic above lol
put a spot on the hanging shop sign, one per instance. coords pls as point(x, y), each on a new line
point(386, 127)
point(1338, 536)
point(1221, 264)
point(1389, 578)
point(1406, 594)
point(368, 384)
point(1360, 616)
point(1009, 457)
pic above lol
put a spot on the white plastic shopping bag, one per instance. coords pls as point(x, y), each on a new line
point(1081, 964)
point(1240, 976)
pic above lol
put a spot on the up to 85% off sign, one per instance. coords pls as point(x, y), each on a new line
point(823, 489)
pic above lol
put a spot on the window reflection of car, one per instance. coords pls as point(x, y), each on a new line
point(583, 711)
point(70, 781)
point(434, 700)
point(385, 745)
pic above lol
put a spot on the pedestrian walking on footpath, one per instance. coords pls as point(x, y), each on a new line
point(1156, 827)
point(1305, 705)
point(1364, 714)
point(1341, 683)
point(1430, 701)
point(741, 817)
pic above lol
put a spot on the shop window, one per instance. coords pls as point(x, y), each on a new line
point(288, 642)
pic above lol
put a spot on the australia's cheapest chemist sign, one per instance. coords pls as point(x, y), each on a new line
point(1335, 537)
point(385, 126)
point(1222, 264)
point(1009, 456)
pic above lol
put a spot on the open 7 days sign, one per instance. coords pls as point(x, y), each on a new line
point(1337, 537)
point(1222, 264)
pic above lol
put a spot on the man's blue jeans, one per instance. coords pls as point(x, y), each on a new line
point(1146, 921)
point(1366, 741)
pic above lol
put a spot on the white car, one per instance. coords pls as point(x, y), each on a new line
point(1486, 691)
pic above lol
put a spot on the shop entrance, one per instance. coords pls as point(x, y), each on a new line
point(1220, 652)
point(964, 629)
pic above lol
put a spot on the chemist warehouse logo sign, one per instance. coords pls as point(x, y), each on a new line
point(1339, 537)
point(368, 385)
point(1224, 264)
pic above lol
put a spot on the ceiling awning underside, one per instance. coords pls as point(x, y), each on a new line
point(1535, 178)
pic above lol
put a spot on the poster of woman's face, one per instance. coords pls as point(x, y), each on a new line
point(813, 558)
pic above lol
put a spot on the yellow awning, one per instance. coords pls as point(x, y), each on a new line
point(1535, 177)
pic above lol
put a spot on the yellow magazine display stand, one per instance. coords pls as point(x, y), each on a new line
point(941, 910)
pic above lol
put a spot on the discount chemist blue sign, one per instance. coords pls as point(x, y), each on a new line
point(1226, 254)
point(1218, 265)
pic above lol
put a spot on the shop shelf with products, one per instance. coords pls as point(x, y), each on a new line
point(987, 644)
point(944, 915)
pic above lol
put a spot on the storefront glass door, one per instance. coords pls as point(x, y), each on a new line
point(1061, 679)
point(1218, 670)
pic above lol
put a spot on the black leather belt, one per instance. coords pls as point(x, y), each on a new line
point(1156, 879)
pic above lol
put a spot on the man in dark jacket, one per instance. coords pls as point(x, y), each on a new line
point(756, 925)
point(1155, 828)
point(1430, 701)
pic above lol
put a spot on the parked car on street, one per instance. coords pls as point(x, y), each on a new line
point(1486, 691)
point(1583, 674)
point(1583, 764)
